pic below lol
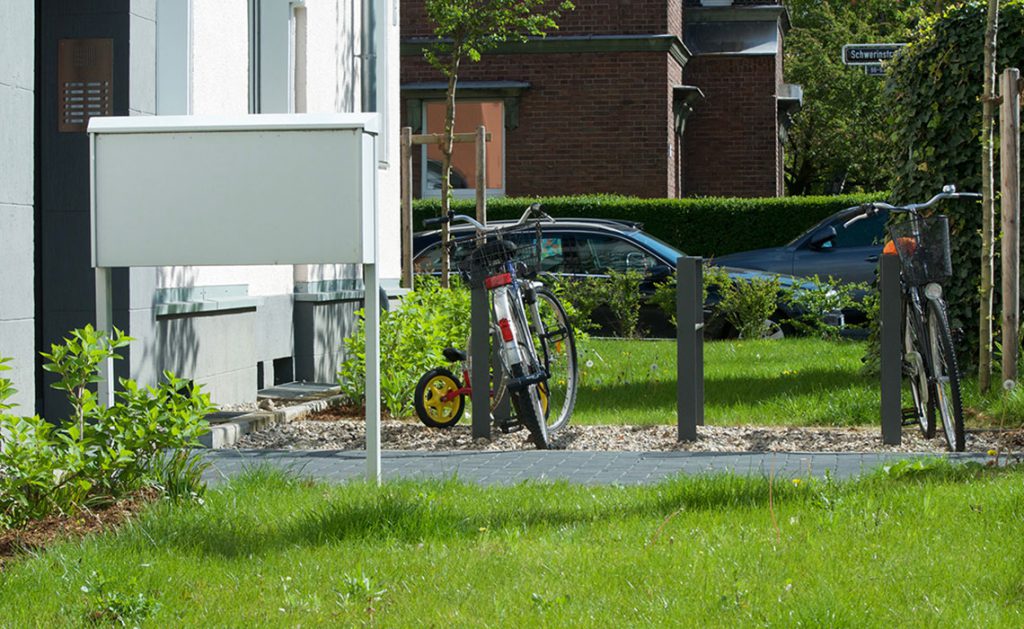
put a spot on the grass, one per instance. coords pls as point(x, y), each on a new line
point(794, 382)
point(931, 547)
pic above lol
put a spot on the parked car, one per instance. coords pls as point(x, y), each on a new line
point(848, 254)
point(588, 248)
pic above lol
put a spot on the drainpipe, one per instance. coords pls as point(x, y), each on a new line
point(374, 71)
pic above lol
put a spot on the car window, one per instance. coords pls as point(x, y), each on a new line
point(600, 253)
point(429, 261)
point(863, 233)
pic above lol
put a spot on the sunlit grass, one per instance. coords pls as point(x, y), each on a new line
point(268, 550)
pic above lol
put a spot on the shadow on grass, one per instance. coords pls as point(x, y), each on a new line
point(427, 511)
point(723, 390)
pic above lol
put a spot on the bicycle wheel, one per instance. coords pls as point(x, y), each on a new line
point(431, 407)
point(526, 403)
point(916, 375)
point(945, 376)
point(555, 345)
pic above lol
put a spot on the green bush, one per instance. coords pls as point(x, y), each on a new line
point(714, 277)
point(619, 293)
point(748, 305)
point(412, 337)
point(695, 226)
point(814, 298)
point(936, 86)
point(99, 454)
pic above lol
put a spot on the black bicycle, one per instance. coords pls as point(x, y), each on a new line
point(929, 360)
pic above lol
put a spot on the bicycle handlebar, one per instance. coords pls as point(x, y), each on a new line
point(452, 217)
point(872, 208)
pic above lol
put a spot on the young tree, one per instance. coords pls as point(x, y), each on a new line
point(464, 29)
point(988, 122)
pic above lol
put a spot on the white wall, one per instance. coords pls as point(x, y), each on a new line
point(219, 59)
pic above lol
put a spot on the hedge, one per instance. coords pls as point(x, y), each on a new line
point(707, 227)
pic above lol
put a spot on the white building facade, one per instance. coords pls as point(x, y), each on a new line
point(232, 329)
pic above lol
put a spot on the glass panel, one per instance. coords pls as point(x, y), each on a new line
point(863, 233)
point(599, 254)
point(468, 116)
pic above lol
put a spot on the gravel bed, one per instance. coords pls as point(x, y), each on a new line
point(331, 430)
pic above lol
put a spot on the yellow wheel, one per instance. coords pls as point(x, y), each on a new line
point(431, 406)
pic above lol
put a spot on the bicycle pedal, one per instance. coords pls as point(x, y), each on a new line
point(510, 426)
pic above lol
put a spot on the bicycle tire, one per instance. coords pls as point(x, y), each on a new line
point(945, 376)
point(523, 403)
point(431, 410)
point(916, 374)
point(555, 344)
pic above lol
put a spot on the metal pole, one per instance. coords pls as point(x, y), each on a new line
point(480, 348)
point(890, 329)
point(1009, 154)
point(371, 314)
point(105, 323)
point(690, 346)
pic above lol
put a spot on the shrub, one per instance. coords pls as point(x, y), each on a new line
point(412, 337)
point(714, 277)
point(691, 225)
point(613, 300)
point(748, 305)
point(815, 298)
point(99, 454)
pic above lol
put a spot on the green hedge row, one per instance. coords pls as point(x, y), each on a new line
point(706, 226)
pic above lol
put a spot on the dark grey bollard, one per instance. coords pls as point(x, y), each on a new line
point(480, 350)
point(890, 358)
point(690, 346)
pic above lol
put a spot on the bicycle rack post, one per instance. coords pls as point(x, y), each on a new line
point(890, 358)
point(480, 346)
point(690, 346)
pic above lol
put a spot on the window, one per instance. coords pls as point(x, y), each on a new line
point(599, 254)
point(864, 233)
point(468, 116)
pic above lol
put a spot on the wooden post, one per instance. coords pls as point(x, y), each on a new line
point(481, 174)
point(1010, 209)
point(406, 220)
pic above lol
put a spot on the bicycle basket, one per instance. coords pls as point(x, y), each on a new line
point(490, 258)
point(923, 246)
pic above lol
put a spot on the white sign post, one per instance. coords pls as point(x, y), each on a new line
point(185, 190)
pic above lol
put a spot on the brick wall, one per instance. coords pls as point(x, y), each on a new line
point(591, 17)
point(732, 148)
point(590, 123)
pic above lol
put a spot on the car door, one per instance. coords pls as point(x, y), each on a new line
point(851, 256)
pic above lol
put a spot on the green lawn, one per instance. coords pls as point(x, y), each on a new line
point(937, 549)
point(799, 382)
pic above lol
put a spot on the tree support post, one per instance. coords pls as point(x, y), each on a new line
point(1009, 154)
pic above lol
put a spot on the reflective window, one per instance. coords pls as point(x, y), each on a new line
point(468, 117)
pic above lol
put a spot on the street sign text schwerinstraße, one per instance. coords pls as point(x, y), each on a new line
point(869, 54)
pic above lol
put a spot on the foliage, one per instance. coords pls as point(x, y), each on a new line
point(664, 297)
point(814, 299)
point(7, 389)
point(748, 305)
point(691, 225)
point(936, 84)
point(110, 605)
point(412, 337)
point(100, 454)
point(839, 139)
point(613, 300)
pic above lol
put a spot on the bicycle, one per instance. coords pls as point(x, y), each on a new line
point(536, 348)
point(929, 361)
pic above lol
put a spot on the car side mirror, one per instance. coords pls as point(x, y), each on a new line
point(636, 261)
point(823, 238)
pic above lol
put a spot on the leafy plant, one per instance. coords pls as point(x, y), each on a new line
point(145, 439)
point(814, 299)
point(665, 293)
point(7, 389)
point(412, 338)
point(613, 300)
point(111, 605)
point(747, 305)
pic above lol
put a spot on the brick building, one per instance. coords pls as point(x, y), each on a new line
point(651, 98)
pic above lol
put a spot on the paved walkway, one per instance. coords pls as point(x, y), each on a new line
point(589, 468)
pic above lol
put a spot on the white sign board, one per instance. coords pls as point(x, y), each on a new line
point(261, 189)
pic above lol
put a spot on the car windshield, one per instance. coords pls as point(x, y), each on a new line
point(659, 247)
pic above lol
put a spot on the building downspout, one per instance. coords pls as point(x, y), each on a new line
point(373, 67)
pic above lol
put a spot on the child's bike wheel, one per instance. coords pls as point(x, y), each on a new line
point(431, 407)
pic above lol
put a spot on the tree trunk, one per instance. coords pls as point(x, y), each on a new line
point(988, 201)
point(446, 165)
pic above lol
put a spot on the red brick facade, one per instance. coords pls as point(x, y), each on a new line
point(603, 121)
